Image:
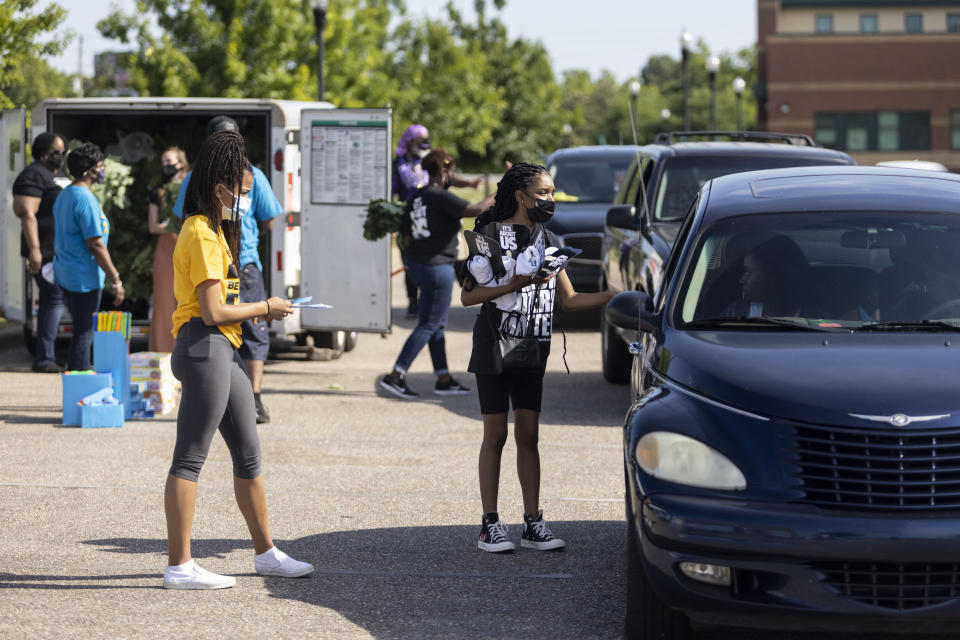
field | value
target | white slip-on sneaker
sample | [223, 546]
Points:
[274, 562]
[191, 576]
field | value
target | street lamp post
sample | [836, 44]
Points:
[713, 65]
[320, 20]
[634, 92]
[686, 39]
[739, 84]
[665, 117]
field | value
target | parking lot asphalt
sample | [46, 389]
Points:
[379, 494]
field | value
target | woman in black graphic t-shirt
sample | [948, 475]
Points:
[431, 223]
[523, 202]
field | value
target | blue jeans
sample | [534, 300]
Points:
[49, 312]
[82, 306]
[436, 285]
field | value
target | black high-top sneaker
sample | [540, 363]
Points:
[493, 535]
[537, 536]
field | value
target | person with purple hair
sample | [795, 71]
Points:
[408, 177]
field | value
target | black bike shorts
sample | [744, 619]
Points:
[497, 392]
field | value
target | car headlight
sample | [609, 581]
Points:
[681, 459]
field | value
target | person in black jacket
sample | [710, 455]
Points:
[34, 193]
[431, 223]
[523, 203]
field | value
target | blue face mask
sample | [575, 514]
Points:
[241, 205]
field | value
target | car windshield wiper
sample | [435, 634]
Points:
[910, 325]
[712, 323]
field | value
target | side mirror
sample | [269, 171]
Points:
[623, 216]
[633, 311]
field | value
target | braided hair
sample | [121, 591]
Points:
[517, 177]
[222, 160]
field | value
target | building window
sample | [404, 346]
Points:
[858, 134]
[888, 134]
[868, 23]
[879, 130]
[913, 23]
[825, 129]
[955, 129]
[914, 130]
[825, 23]
[953, 22]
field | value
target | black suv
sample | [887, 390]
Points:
[661, 184]
[587, 180]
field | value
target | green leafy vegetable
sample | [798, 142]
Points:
[383, 217]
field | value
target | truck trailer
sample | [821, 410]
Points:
[325, 164]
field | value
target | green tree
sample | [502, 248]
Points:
[665, 73]
[256, 48]
[22, 34]
[44, 82]
[530, 123]
[439, 82]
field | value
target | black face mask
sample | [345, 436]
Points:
[543, 210]
[55, 160]
[169, 171]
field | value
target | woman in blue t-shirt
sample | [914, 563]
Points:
[82, 260]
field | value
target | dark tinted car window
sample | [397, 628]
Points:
[826, 270]
[587, 179]
[683, 176]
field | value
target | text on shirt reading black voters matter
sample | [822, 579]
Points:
[514, 324]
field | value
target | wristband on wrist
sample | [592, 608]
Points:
[268, 306]
[115, 277]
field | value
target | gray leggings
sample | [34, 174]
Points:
[216, 394]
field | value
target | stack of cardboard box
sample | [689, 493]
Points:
[151, 372]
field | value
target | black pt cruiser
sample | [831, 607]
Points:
[792, 453]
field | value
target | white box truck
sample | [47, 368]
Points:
[325, 164]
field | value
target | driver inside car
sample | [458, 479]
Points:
[772, 275]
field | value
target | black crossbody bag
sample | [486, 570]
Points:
[516, 355]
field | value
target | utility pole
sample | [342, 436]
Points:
[78, 79]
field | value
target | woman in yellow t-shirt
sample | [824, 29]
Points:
[216, 391]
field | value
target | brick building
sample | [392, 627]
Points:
[879, 79]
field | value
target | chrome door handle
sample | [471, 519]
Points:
[634, 348]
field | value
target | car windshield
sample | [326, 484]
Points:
[825, 271]
[683, 176]
[588, 179]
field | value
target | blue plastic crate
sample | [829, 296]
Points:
[76, 387]
[98, 416]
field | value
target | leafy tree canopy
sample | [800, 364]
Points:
[485, 96]
[26, 35]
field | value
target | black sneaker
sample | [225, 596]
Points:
[537, 536]
[493, 535]
[47, 367]
[450, 388]
[262, 414]
[397, 385]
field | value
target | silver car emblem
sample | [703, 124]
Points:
[899, 419]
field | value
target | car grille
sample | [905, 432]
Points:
[877, 469]
[893, 586]
[589, 243]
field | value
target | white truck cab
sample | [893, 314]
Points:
[325, 165]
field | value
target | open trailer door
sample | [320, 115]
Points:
[13, 148]
[345, 162]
